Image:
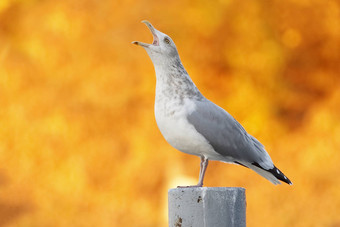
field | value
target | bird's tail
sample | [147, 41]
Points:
[273, 175]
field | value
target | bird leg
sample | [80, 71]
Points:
[204, 165]
[203, 168]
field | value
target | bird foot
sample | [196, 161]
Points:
[191, 186]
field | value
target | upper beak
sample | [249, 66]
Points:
[155, 37]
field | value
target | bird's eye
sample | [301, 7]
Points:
[166, 40]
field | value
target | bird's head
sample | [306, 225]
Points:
[162, 48]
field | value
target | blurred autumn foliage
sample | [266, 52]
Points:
[79, 145]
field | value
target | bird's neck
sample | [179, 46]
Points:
[173, 81]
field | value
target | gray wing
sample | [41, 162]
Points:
[226, 135]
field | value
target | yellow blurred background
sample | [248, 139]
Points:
[79, 145]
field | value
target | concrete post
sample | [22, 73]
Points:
[207, 207]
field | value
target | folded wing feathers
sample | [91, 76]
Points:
[228, 131]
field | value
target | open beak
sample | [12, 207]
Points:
[153, 31]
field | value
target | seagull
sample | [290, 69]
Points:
[194, 125]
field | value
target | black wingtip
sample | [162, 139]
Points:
[277, 173]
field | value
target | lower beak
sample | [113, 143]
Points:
[141, 44]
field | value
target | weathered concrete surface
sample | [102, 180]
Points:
[207, 207]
